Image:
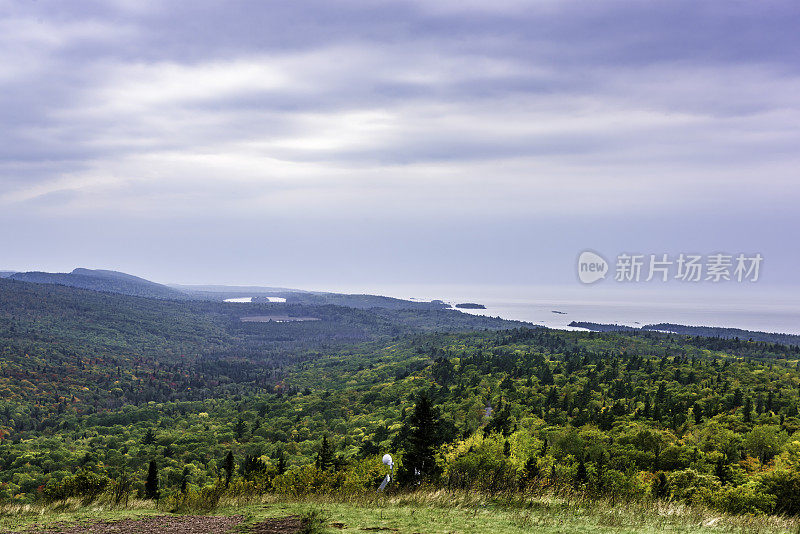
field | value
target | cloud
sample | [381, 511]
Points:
[334, 110]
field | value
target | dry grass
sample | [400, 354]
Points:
[439, 511]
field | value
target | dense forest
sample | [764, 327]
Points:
[178, 400]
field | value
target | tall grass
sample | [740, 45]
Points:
[549, 511]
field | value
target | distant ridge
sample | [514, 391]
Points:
[127, 284]
[103, 280]
[317, 298]
[704, 331]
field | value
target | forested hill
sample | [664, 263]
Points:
[619, 415]
[58, 343]
[103, 280]
[127, 284]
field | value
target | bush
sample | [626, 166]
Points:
[483, 466]
[745, 499]
[85, 484]
[305, 480]
[692, 487]
[784, 485]
[204, 500]
[313, 521]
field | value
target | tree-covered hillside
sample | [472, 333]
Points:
[103, 280]
[59, 344]
[99, 388]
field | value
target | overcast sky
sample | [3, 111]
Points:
[317, 144]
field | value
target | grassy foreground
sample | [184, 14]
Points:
[433, 513]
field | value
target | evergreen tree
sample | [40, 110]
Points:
[240, 428]
[530, 472]
[184, 480]
[747, 411]
[697, 410]
[281, 462]
[228, 465]
[418, 461]
[149, 437]
[721, 471]
[151, 490]
[600, 471]
[580, 474]
[325, 455]
[252, 467]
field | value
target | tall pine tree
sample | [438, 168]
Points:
[422, 431]
[151, 490]
[325, 455]
[228, 465]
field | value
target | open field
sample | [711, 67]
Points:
[430, 513]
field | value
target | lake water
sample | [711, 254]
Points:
[749, 308]
[250, 299]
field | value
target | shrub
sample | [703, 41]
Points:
[784, 485]
[483, 466]
[313, 521]
[692, 487]
[744, 499]
[204, 500]
[85, 484]
[305, 480]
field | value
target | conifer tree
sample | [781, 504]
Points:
[151, 490]
[281, 462]
[228, 465]
[184, 479]
[325, 455]
[419, 463]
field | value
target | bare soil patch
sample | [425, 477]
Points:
[188, 524]
[284, 525]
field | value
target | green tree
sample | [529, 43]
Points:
[325, 455]
[530, 472]
[697, 411]
[228, 465]
[580, 475]
[184, 480]
[281, 461]
[764, 441]
[419, 463]
[151, 490]
[747, 411]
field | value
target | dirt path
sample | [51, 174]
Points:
[187, 524]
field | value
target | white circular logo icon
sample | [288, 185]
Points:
[591, 267]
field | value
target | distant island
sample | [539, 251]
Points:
[470, 306]
[558, 312]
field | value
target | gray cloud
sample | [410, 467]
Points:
[267, 111]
